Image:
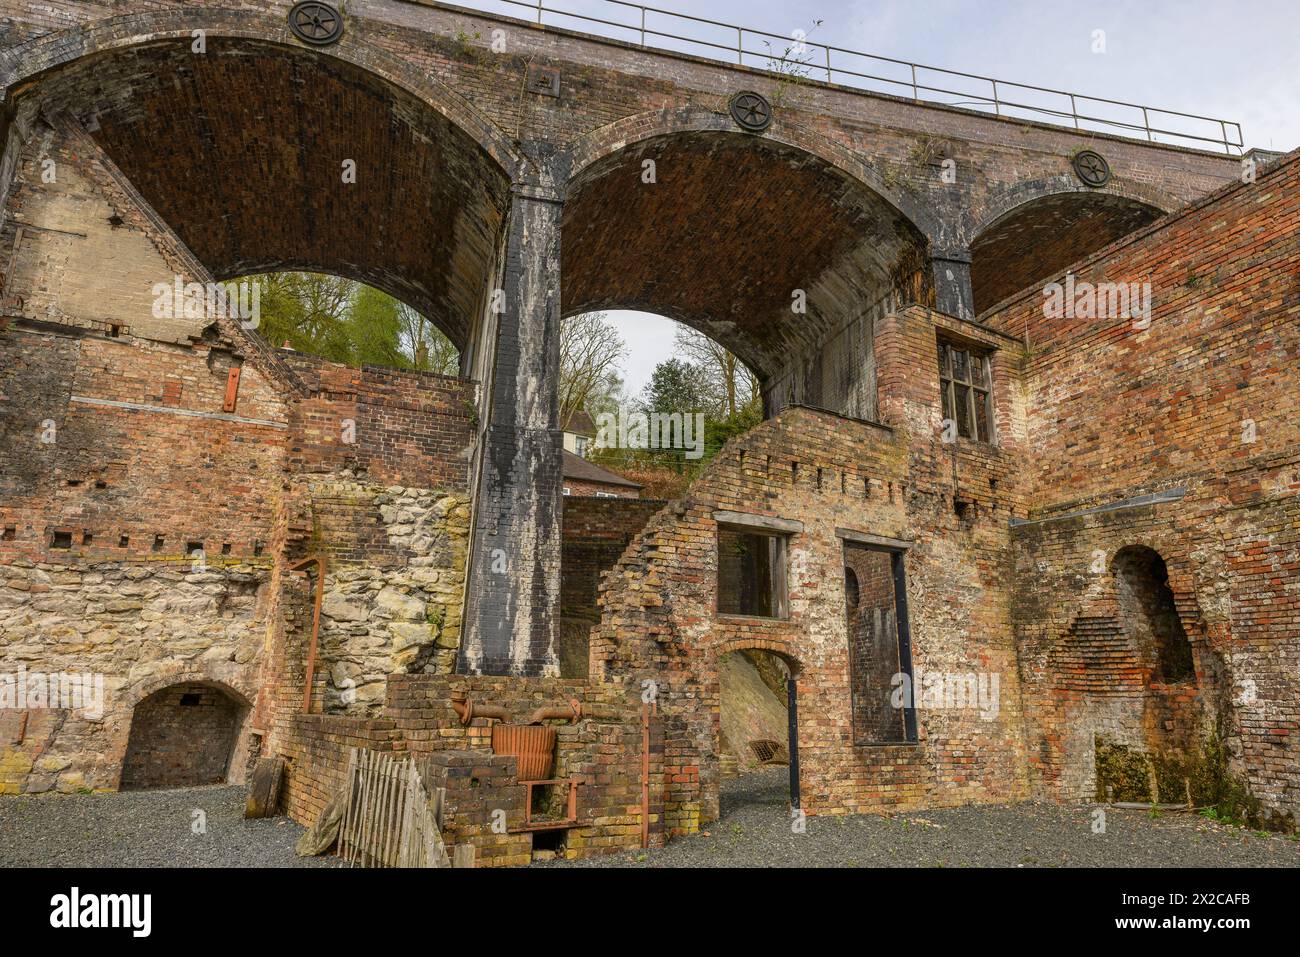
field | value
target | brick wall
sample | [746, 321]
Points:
[1198, 407]
[659, 618]
[183, 736]
[393, 426]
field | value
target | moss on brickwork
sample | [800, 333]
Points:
[1201, 776]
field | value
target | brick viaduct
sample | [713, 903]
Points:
[827, 251]
[468, 182]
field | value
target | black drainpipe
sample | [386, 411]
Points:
[792, 703]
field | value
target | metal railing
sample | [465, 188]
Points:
[800, 59]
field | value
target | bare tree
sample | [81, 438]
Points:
[590, 350]
[425, 345]
[730, 379]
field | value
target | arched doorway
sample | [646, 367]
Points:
[183, 735]
[1151, 615]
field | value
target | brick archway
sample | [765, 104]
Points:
[27, 62]
[614, 137]
[777, 246]
[781, 649]
[263, 155]
[222, 684]
[1033, 230]
[184, 735]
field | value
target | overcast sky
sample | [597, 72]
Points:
[1232, 59]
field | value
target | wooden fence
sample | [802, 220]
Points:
[390, 819]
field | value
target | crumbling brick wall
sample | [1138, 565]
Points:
[1196, 408]
[660, 622]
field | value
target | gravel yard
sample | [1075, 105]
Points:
[155, 828]
[755, 832]
[145, 829]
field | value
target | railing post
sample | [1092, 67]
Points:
[1223, 128]
[997, 107]
[1074, 111]
[539, 11]
[740, 46]
[1146, 124]
[829, 73]
[643, 26]
[915, 94]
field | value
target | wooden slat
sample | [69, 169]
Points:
[389, 818]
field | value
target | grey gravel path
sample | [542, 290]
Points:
[754, 831]
[145, 829]
[154, 828]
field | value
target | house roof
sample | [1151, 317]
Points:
[576, 467]
[581, 423]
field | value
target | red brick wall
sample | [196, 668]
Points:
[1115, 411]
[596, 530]
[395, 426]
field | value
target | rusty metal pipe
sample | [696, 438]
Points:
[467, 710]
[645, 771]
[571, 712]
[319, 561]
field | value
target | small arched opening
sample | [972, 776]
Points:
[1151, 615]
[183, 735]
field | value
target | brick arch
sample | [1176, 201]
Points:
[238, 688]
[27, 62]
[257, 118]
[700, 245]
[614, 137]
[1023, 234]
[781, 649]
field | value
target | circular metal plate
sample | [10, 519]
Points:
[1091, 167]
[751, 111]
[316, 23]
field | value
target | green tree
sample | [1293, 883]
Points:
[348, 322]
[677, 386]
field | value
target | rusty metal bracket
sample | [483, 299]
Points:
[571, 805]
[232, 389]
[319, 561]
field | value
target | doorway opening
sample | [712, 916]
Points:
[758, 740]
[880, 648]
[182, 736]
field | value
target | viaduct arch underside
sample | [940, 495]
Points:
[263, 157]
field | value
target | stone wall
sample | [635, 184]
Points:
[393, 603]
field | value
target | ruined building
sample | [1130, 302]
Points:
[1078, 529]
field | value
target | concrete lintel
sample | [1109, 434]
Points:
[761, 522]
[168, 410]
[874, 541]
[1138, 501]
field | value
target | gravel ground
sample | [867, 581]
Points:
[154, 828]
[754, 831]
[145, 829]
